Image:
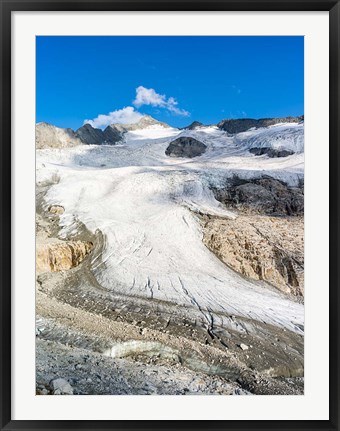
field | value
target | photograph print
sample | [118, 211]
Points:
[169, 215]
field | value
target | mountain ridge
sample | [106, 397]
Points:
[50, 136]
[234, 126]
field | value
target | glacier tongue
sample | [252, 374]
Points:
[143, 201]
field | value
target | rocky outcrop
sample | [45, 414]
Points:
[243, 124]
[49, 136]
[185, 147]
[145, 122]
[112, 135]
[56, 209]
[266, 241]
[52, 253]
[270, 152]
[91, 136]
[263, 195]
[261, 248]
[56, 255]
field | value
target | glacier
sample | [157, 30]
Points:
[144, 203]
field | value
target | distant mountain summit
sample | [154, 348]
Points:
[91, 136]
[243, 124]
[194, 125]
[145, 122]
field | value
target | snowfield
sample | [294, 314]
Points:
[143, 202]
[278, 137]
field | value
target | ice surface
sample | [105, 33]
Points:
[143, 200]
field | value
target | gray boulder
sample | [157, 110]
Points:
[185, 147]
[61, 386]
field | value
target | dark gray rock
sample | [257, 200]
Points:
[264, 195]
[91, 136]
[185, 147]
[112, 135]
[271, 152]
[244, 124]
[253, 195]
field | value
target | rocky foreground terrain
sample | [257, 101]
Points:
[164, 271]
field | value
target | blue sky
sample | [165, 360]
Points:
[175, 79]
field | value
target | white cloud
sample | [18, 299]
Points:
[144, 96]
[125, 116]
[148, 96]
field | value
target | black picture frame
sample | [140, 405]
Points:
[7, 7]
